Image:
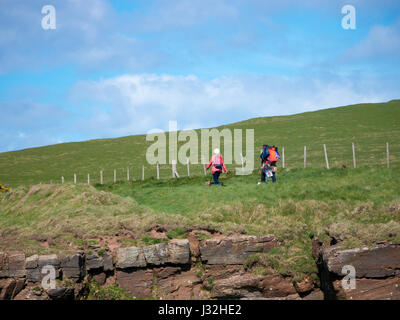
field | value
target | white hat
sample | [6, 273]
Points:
[216, 151]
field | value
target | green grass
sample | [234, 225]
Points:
[148, 241]
[177, 233]
[360, 206]
[369, 126]
[113, 292]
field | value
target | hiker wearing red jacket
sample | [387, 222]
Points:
[217, 164]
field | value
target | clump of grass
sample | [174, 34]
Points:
[257, 259]
[294, 259]
[147, 240]
[113, 292]
[36, 288]
[177, 233]
[199, 273]
[65, 282]
[127, 242]
[208, 284]
[201, 236]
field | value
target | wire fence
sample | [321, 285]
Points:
[309, 157]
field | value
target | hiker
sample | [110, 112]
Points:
[269, 156]
[217, 164]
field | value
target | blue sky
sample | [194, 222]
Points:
[116, 68]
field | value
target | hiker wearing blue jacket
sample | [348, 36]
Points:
[269, 156]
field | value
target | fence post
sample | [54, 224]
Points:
[142, 173]
[101, 176]
[354, 156]
[188, 167]
[88, 178]
[62, 179]
[305, 156]
[115, 176]
[283, 157]
[127, 174]
[241, 158]
[74, 178]
[387, 155]
[158, 171]
[326, 157]
[174, 172]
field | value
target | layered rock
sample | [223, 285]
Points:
[370, 289]
[12, 265]
[137, 270]
[10, 287]
[165, 271]
[235, 250]
[248, 285]
[72, 266]
[376, 262]
[175, 252]
[94, 262]
[130, 258]
[37, 267]
[376, 269]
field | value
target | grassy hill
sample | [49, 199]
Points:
[356, 206]
[369, 126]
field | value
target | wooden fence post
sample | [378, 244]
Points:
[88, 178]
[174, 172]
[326, 157]
[62, 179]
[115, 176]
[158, 171]
[354, 156]
[127, 174]
[283, 157]
[305, 156]
[387, 155]
[74, 178]
[188, 167]
[101, 176]
[142, 173]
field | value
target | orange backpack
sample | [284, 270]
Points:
[272, 155]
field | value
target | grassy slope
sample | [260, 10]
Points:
[370, 126]
[361, 206]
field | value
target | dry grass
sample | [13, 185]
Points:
[66, 216]
[356, 207]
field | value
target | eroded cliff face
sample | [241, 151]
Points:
[193, 269]
[376, 272]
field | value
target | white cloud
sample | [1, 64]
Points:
[381, 42]
[141, 102]
[136, 103]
